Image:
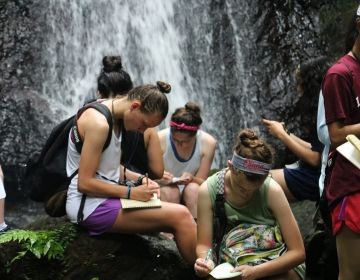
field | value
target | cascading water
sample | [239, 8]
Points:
[82, 32]
[153, 47]
[219, 54]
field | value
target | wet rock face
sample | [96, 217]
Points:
[251, 68]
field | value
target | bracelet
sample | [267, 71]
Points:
[128, 192]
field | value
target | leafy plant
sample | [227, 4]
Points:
[50, 244]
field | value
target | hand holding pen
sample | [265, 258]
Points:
[203, 266]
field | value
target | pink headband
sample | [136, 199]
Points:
[184, 126]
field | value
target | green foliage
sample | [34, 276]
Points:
[49, 244]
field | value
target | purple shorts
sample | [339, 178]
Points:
[103, 218]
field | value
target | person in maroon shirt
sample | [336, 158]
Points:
[341, 91]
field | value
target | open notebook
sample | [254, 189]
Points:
[154, 202]
[351, 150]
[223, 271]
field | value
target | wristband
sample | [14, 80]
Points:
[128, 192]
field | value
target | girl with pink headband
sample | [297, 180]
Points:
[188, 153]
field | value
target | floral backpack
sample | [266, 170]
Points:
[246, 243]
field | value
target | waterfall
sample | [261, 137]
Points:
[216, 53]
[80, 33]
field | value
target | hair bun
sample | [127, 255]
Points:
[112, 64]
[192, 107]
[163, 86]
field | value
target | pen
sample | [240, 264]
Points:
[208, 255]
[147, 179]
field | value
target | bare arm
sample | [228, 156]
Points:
[204, 231]
[208, 147]
[295, 254]
[338, 132]
[154, 153]
[299, 147]
[94, 130]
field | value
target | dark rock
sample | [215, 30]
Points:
[109, 256]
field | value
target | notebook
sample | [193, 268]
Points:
[154, 202]
[223, 271]
[351, 150]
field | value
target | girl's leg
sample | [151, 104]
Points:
[170, 194]
[189, 196]
[170, 217]
[278, 176]
[348, 250]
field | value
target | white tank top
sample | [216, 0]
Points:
[109, 168]
[177, 166]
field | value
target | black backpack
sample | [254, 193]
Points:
[219, 215]
[46, 175]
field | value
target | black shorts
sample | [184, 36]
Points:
[303, 183]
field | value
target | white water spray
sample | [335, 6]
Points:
[82, 32]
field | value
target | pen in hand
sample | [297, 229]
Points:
[208, 255]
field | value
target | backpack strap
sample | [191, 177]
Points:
[219, 216]
[75, 136]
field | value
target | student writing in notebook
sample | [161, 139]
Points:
[188, 152]
[141, 152]
[252, 197]
[98, 172]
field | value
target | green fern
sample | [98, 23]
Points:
[50, 244]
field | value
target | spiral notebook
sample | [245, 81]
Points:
[351, 150]
[154, 202]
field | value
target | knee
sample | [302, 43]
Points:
[183, 216]
[170, 194]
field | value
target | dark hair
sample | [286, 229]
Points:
[249, 145]
[113, 80]
[309, 76]
[311, 73]
[189, 115]
[152, 98]
[351, 33]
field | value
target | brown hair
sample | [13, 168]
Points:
[249, 145]
[189, 115]
[152, 97]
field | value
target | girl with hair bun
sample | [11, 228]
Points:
[254, 204]
[99, 175]
[145, 156]
[188, 153]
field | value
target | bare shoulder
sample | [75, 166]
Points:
[276, 196]
[150, 132]
[208, 139]
[91, 119]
